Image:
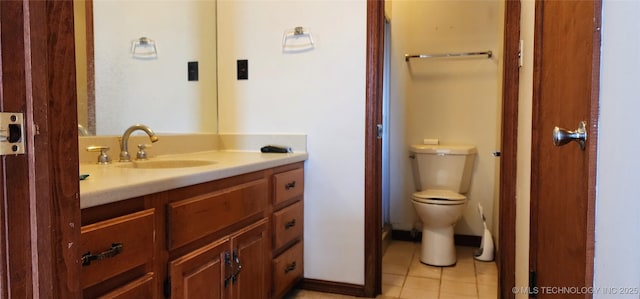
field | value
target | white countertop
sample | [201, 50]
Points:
[113, 182]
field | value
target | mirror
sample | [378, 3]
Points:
[117, 89]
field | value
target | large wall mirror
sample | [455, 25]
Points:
[118, 88]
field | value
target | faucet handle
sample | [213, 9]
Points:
[103, 157]
[142, 154]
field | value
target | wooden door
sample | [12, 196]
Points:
[39, 200]
[251, 251]
[566, 70]
[202, 273]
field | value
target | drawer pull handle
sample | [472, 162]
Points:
[290, 224]
[115, 249]
[290, 185]
[290, 267]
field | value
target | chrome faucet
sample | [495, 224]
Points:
[124, 143]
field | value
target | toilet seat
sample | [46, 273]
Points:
[439, 197]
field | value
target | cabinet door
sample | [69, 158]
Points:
[202, 273]
[251, 251]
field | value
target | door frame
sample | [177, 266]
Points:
[506, 251]
[373, 149]
[40, 219]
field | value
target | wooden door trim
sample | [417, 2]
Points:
[373, 150]
[508, 162]
[55, 135]
[535, 151]
[591, 149]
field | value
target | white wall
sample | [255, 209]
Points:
[155, 92]
[320, 93]
[455, 100]
[617, 257]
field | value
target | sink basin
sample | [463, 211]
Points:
[163, 164]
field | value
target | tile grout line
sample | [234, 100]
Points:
[475, 275]
[406, 276]
[440, 284]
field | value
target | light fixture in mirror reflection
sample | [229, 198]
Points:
[117, 89]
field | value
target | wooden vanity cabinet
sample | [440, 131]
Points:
[238, 237]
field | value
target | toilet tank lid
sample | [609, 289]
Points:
[443, 149]
[439, 194]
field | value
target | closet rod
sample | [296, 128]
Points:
[407, 56]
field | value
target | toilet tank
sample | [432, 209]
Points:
[446, 167]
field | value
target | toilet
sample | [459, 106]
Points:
[442, 175]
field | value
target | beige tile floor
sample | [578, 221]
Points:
[403, 276]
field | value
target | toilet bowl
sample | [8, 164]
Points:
[442, 175]
[439, 210]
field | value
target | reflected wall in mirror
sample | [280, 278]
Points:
[117, 90]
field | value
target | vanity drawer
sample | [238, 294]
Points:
[288, 185]
[116, 245]
[287, 269]
[142, 287]
[197, 217]
[287, 224]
